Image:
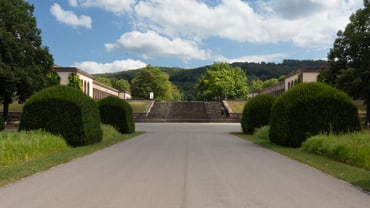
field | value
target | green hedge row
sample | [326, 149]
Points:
[65, 111]
[118, 113]
[257, 113]
[309, 109]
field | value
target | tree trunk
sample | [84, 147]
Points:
[367, 115]
[6, 109]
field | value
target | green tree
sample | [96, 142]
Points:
[256, 85]
[25, 65]
[222, 81]
[121, 84]
[105, 81]
[152, 79]
[350, 58]
[270, 82]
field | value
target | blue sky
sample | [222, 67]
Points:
[114, 35]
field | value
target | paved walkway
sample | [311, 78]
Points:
[182, 166]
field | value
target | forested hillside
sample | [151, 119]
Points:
[185, 79]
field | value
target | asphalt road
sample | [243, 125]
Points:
[182, 166]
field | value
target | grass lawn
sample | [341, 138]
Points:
[16, 171]
[237, 106]
[14, 107]
[356, 176]
[138, 106]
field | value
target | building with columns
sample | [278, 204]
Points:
[92, 88]
[290, 80]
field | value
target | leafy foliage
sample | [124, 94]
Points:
[152, 79]
[64, 111]
[74, 81]
[257, 113]
[118, 113]
[350, 58]
[222, 81]
[105, 81]
[25, 65]
[310, 109]
[121, 84]
[257, 84]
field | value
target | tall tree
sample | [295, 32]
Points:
[121, 84]
[222, 81]
[350, 58]
[152, 79]
[105, 81]
[25, 65]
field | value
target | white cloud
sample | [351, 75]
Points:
[69, 18]
[151, 45]
[255, 58]
[310, 23]
[116, 66]
[73, 3]
[118, 7]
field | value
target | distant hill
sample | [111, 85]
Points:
[185, 79]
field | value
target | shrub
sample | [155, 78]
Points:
[309, 109]
[257, 112]
[118, 113]
[2, 124]
[64, 111]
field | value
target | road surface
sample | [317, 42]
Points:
[182, 166]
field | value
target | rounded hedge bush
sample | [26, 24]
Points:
[309, 109]
[2, 124]
[118, 113]
[64, 111]
[257, 113]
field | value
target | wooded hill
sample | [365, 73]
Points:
[185, 79]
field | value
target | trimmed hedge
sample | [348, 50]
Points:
[309, 109]
[2, 124]
[64, 111]
[118, 113]
[257, 113]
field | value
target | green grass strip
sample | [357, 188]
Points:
[353, 175]
[21, 170]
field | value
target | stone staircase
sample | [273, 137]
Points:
[192, 111]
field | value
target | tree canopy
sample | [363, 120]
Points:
[222, 81]
[349, 58]
[152, 79]
[25, 65]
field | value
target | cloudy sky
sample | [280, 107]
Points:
[114, 35]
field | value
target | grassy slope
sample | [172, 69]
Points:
[237, 106]
[138, 106]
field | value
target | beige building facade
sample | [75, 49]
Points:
[296, 77]
[300, 76]
[90, 87]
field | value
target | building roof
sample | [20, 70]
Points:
[305, 70]
[72, 70]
